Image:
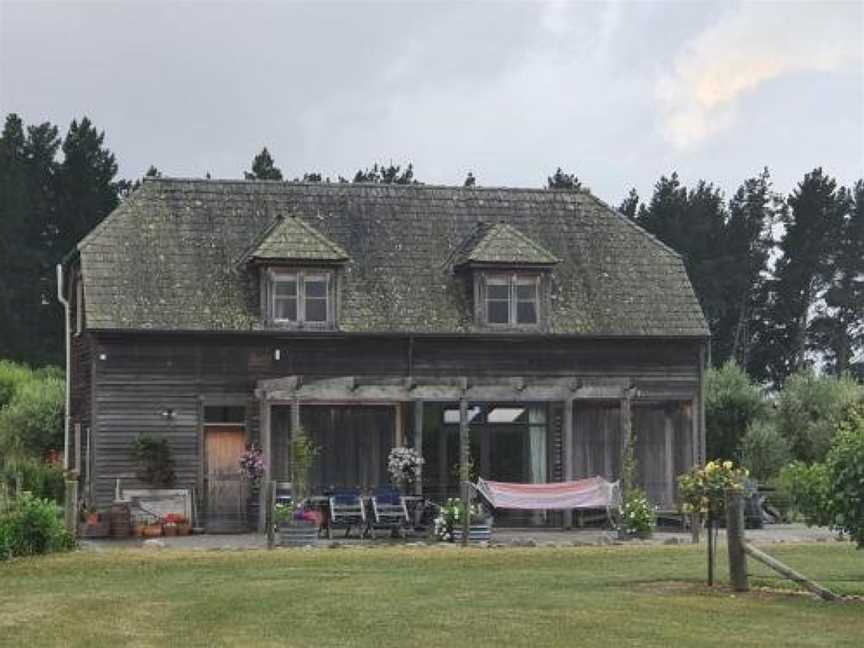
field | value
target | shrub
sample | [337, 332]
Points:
[845, 474]
[32, 526]
[155, 461]
[809, 411]
[732, 404]
[638, 517]
[764, 450]
[43, 480]
[31, 423]
[12, 376]
[809, 489]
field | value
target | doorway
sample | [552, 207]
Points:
[225, 487]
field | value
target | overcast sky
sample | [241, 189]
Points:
[618, 93]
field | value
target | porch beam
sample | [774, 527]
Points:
[567, 425]
[418, 444]
[464, 457]
[266, 449]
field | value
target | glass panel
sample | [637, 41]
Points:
[497, 291]
[498, 312]
[526, 291]
[285, 287]
[316, 310]
[452, 415]
[224, 414]
[316, 287]
[505, 414]
[285, 308]
[526, 312]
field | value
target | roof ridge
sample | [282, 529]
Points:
[364, 185]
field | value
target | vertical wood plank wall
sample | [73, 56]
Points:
[134, 377]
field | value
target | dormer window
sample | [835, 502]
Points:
[300, 297]
[512, 299]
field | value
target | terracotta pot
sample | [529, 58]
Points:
[184, 529]
[169, 530]
[151, 530]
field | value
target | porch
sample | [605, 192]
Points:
[531, 430]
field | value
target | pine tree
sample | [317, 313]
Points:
[748, 243]
[563, 181]
[390, 174]
[812, 226]
[263, 167]
[630, 205]
[837, 331]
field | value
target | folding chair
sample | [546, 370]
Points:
[346, 510]
[389, 511]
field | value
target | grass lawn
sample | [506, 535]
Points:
[610, 596]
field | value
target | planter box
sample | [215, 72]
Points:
[481, 532]
[298, 533]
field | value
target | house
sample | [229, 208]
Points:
[217, 313]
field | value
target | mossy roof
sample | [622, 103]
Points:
[291, 239]
[504, 244]
[167, 258]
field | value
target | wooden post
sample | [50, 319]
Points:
[789, 573]
[264, 435]
[71, 507]
[669, 458]
[398, 428]
[464, 457]
[268, 517]
[418, 444]
[567, 424]
[735, 541]
[77, 445]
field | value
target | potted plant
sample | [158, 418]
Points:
[403, 465]
[174, 524]
[448, 524]
[252, 469]
[296, 524]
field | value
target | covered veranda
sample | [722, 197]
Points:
[515, 428]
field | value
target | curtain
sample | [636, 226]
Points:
[537, 443]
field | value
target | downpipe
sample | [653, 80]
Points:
[68, 400]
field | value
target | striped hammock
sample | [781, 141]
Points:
[592, 493]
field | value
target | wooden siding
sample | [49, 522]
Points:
[138, 376]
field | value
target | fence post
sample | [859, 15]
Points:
[710, 533]
[735, 541]
[270, 502]
[71, 507]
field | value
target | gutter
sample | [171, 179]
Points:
[67, 405]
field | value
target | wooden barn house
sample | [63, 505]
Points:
[218, 313]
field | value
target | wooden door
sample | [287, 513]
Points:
[226, 496]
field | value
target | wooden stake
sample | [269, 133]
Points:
[270, 499]
[735, 541]
[464, 458]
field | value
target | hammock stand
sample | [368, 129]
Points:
[592, 493]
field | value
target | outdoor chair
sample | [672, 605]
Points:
[346, 511]
[388, 511]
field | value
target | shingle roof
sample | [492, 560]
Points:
[166, 259]
[290, 239]
[504, 244]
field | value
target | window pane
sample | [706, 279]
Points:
[527, 291]
[526, 312]
[494, 291]
[316, 310]
[316, 287]
[285, 287]
[285, 308]
[498, 312]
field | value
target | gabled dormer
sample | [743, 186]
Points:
[509, 273]
[298, 270]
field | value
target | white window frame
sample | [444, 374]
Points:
[301, 276]
[513, 280]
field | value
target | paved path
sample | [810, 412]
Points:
[777, 533]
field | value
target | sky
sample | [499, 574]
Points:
[617, 93]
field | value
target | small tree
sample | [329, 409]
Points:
[732, 404]
[845, 474]
[764, 450]
[303, 453]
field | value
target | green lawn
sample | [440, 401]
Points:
[610, 596]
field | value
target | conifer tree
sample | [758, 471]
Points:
[263, 167]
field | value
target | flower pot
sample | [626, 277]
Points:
[477, 532]
[170, 530]
[184, 529]
[298, 533]
[151, 530]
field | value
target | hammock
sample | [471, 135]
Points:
[592, 493]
